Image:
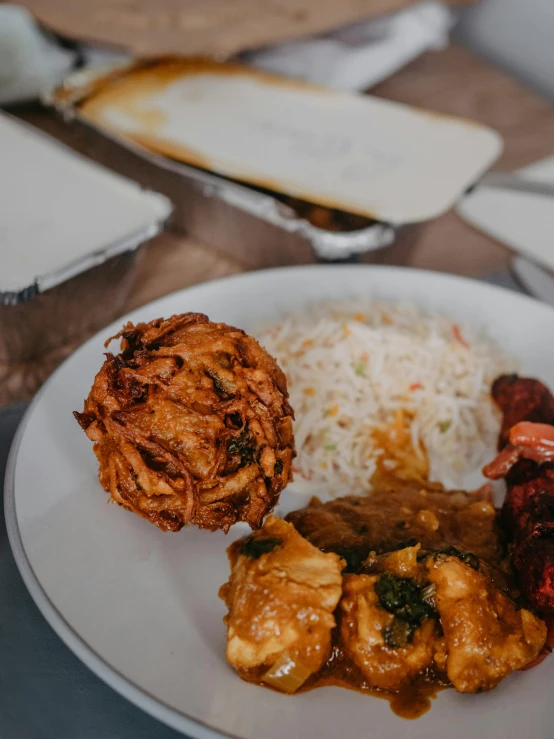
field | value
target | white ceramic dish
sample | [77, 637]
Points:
[140, 607]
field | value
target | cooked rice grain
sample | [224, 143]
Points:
[353, 365]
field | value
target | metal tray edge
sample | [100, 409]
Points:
[328, 245]
[129, 242]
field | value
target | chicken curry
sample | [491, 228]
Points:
[400, 593]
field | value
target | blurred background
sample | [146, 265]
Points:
[491, 62]
[515, 37]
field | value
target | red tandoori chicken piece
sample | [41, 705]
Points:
[526, 461]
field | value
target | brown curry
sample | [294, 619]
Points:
[398, 594]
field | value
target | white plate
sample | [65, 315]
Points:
[140, 607]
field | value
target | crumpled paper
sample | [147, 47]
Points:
[352, 58]
[30, 61]
[357, 57]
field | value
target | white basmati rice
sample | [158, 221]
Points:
[352, 365]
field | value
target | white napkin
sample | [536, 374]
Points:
[352, 58]
[359, 56]
[30, 61]
[522, 221]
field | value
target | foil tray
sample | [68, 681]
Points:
[65, 302]
[246, 223]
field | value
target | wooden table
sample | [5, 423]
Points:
[450, 81]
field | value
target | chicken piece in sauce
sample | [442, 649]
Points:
[439, 609]
[486, 637]
[281, 597]
[389, 650]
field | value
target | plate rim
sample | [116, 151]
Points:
[123, 685]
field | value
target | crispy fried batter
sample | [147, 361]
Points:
[191, 424]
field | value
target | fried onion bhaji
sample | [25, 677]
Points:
[191, 424]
